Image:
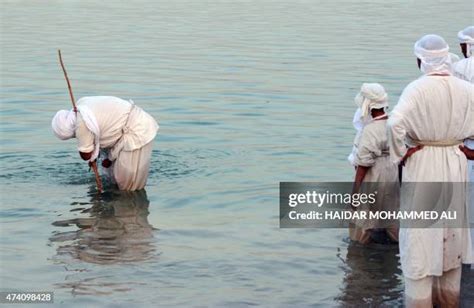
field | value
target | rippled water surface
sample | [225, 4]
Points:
[248, 94]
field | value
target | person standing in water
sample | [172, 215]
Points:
[373, 165]
[436, 111]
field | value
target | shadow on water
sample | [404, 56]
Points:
[116, 231]
[372, 277]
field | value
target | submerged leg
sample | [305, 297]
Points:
[359, 235]
[418, 293]
[446, 289]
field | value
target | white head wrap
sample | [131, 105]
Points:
[466, 36]
[65, 121]
[433, 51]
[64, 124]
[371, 96]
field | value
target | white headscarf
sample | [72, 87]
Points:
[64, 126]
[466, 36]
[433, 51]
[371, 96]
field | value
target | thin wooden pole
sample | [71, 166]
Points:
[73, 101]
[93, 164]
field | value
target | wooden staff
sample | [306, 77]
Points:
[93, 164]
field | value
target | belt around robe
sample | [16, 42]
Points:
[438, 143]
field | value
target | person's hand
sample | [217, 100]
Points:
[413, 150]
[467, 151]
[410, 152]
[85, 156]
[106, 163]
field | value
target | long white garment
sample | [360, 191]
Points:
[126, 133]
[464, 69]
[130, 169]
[117, 119]
[373, 152]
[433, 108]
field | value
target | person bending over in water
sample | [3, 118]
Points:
[119, 127]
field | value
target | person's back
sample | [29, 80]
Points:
[436, 113]
[441, 111]
[465, 70]
[122, 124]
[111, 114]
[373, 151]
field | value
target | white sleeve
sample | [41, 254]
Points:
[396, 137]
[85, 138]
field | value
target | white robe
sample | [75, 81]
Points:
[373, 152]
[433, 108]
[126, 133]
[464, 69]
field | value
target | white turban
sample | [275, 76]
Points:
[371, 96]
[433, 51]
[466, 36]
[64, 124]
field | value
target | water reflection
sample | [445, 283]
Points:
[372, 276]
[117, 230]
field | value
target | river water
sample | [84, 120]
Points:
[247, 94]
